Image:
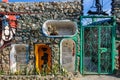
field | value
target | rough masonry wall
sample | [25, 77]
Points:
[116, 12]
[29, 28]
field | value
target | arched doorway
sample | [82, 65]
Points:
[43, 57]
[67, 54]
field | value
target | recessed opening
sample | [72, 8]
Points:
[43, 57]
[67, 54]
[19, 57]
[59, 28]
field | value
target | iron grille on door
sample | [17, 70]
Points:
[98, 44]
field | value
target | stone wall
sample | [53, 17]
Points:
[29, 28]
[29, 32]
[116, 12]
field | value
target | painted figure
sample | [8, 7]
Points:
[9, 25]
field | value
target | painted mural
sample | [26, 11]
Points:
[8, 29]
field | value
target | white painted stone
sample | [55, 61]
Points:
[67, 55]
[18, 56]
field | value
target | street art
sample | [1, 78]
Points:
[8, 29]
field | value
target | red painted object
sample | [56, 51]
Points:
[12, 21]
[5, 1]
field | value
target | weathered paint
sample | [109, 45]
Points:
[19, 57]
[43, 57]
[67, 54]
[59, 28]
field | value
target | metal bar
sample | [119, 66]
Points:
[99, 51]
[106, 42]
[76, 60]
[91, 53]
[97, 25]
[76, 42]
[81, 48]
[83, 52]
[113, 44]
[90, 49]
[97, 16]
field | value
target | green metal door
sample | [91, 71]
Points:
[98, 45]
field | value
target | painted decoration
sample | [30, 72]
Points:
[59, 28]
[67, 55]
[43, 57]
[9, 25]
[19, 57]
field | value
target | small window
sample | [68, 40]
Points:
[59, 28]
[19, 57]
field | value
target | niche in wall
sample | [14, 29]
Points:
[43, 57]
[59, 28]
[67, 54]
[19, 57]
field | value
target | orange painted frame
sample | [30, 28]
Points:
[38, 56]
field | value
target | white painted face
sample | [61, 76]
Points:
[7, 30]
[8, 33]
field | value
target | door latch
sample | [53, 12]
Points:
[102, 50]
